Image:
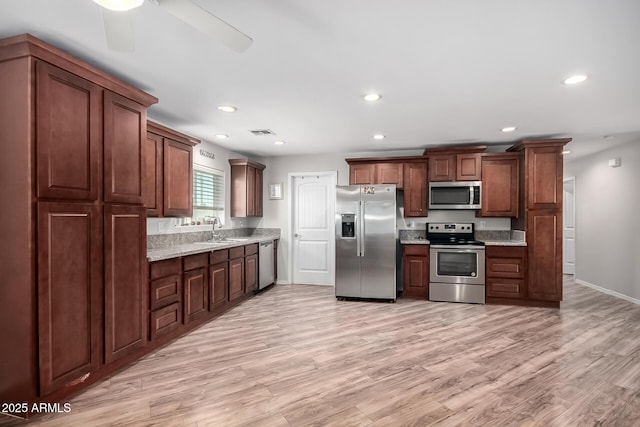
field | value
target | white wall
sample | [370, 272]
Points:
[607, 231]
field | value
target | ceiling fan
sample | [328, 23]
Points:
[118, 26]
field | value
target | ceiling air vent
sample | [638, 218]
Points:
[262, 132]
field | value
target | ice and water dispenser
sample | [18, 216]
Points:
[348, 226]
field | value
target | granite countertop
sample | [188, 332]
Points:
[414, 241]
[200, 247]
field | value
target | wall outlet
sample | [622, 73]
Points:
[483, 225]
[161, 227]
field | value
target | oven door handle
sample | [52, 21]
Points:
[468, 248]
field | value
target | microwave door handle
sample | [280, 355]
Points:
[472, 190]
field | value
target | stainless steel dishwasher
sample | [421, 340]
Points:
[265, 261]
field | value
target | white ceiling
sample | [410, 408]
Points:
[450, 71]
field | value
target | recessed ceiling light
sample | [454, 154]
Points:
[227, 108]
[222, 136]
[378, 136]
[119, 5]
[372, 97]
[566, 152]
[609, 137]
[279, 142]
[509, 129]
[578, 78]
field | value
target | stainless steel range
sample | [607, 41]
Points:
[457, 272]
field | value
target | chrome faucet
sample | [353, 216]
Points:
[216, 236]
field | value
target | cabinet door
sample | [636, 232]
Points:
[236, 278]
[500, 188]
[415, 190]
[69, 135]
[442, 167]
[251, 274]
[125, 303]
[544, 175]
[178, 179]
[153, 185]
[468, 167]
[69, 293]
[258, 193]
[125, 124]
[415, 270]
[251, 191]
[361, 174]
[196, 294]
[218, 286]
[544, 239]
[390, 173]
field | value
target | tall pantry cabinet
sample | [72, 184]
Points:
[74, 226]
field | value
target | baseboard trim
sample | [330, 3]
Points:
[608, 291]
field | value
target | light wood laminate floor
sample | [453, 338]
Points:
[294, 356]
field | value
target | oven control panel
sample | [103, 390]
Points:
[450, 227]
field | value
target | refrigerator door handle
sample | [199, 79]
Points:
[362, 230]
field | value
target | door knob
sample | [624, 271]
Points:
[297, 235]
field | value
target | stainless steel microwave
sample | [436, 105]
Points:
[455, 195]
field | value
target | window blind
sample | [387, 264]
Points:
[208, 191]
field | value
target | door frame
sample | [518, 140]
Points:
[564, 210]
[334, 182]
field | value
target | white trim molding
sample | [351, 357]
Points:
[608, 291]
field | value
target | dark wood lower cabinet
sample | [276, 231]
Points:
[251, 273]
[506, 272]
[196, 294]
[544, 236]
[165, 320]
[415, 268]
[125, 324]
[69, 292]
[218, 286]
[236, 278]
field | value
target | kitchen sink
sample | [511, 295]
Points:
[210, 243]
[237, 239]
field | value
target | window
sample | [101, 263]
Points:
[208, 193]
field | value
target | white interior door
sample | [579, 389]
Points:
[312, 228]
[569, 227]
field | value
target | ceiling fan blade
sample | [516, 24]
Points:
[118, 29]
[209, 24]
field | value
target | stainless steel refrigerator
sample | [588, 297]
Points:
[366, 241]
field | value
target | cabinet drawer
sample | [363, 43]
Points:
[164, 320]
[219, 256]
[236, 252]
[165, 268]
[251, 249]
[164, 291]
[416, 250]
[506, 262]
[192, 262]
[506, 288]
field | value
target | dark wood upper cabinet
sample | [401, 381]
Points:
[455, 163]
[69, 293]
[544, 169]
[468, 167]
[246, 188]
[69, 132]
[125, 124]
[168, 184]
[153, 185]
[500, 174]
[362, 174]
[416, 199]
[442, 167]
[376, 172]
[125, 324]
[178, 179]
